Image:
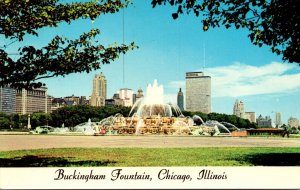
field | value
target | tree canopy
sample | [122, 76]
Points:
[275, 23]
[61, 56]
[71, 116]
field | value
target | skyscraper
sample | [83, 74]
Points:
[180, 99]
[35, 100]
[198, 92]
[239, 109]
[99, 90]
[7, 100]
[278, 121]
[126, 95]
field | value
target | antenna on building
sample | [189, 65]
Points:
[204, 56]
[123, 28]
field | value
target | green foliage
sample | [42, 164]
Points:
[71, 116]
[40, 119]
[74, 115]
[15, 119]
[294, 130]
[237, 121]
[274, 23]
[5, 122]
[61, 56]
[23, 121]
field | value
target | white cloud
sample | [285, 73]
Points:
[241, 80]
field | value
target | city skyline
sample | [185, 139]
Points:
[169, 48]
[125, 97]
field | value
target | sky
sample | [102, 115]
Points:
[169, 48]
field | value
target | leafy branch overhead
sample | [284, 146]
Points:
[61, 56]
[275, 23]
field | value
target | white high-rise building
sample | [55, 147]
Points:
[198, 92]
[126, 95]
[99, 90]
[278, 121]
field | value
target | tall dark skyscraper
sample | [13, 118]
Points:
[180, 99]
[7, 100]
[99, 90]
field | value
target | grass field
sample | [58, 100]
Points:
[131, 157]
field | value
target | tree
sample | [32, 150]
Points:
[61, 56]
[220, 117]
[40, 119]
[5, 122]
[74, 115]
[275, 23]
[15, 118]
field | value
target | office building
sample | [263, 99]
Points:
[239, 109]
[293, 122]
[35, 100]
[180, 100]
[139, 95]
[110, 102]
[99, 90]
[251, 116]
[198, 92]
[74, 99]
[278, 121]
[57, 103]
[126, 95]
[116, 100]
[83, 100]
[7, 100]
[133, 98]
[264, 121]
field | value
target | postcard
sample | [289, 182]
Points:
[160, 94]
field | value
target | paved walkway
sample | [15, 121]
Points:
[21, 142]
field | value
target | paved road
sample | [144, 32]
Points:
[21, 142]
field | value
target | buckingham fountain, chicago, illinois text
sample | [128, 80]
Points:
[123, 175]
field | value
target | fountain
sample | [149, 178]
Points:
[86, 128]
[153, 103]
[149, 116]
[152, 116]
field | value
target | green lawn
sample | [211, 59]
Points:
[66, 157]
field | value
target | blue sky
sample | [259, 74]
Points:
[168, 48]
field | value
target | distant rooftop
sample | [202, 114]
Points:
[195, 75]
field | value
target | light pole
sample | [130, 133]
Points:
[28, 124]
